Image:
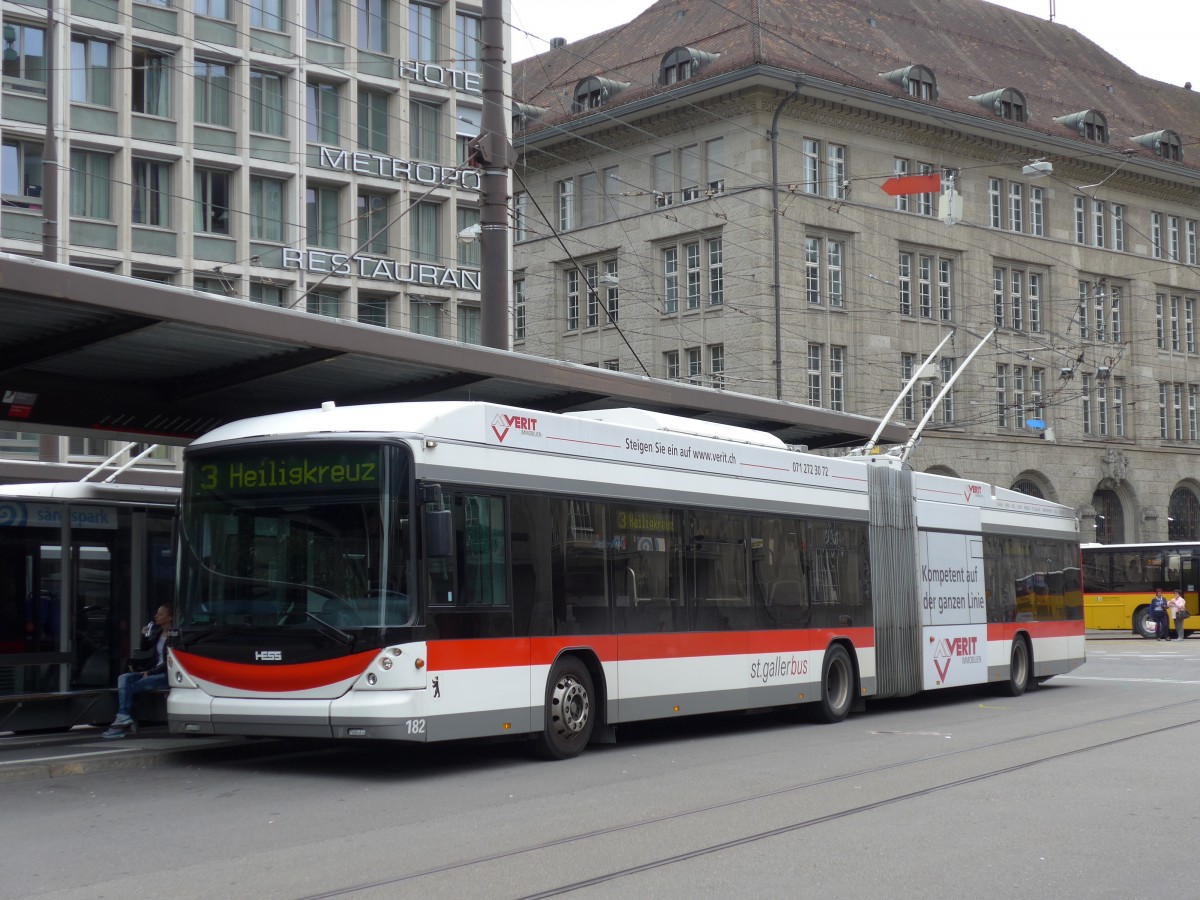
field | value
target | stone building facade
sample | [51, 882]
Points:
[700, 195]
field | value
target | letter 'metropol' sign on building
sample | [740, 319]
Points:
[361, 162]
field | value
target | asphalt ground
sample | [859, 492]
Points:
[83, 751]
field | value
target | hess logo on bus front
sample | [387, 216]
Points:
[502, 424]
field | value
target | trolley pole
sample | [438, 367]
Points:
[492, 153]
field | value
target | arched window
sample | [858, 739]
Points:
[1165, 143]
[1090, 123]
[594, 91]
[1007, 103]
[681, 64]
[1030, 487]
[1110, 518]
[917, 81]
[1183, 515]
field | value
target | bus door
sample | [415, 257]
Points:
[1190, 583]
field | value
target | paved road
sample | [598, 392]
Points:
[961, 793]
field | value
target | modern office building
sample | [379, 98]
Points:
[296, 154]
[700, 194]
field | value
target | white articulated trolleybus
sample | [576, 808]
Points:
[435, 571]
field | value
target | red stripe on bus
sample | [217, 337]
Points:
[1004, 631]
[487, 653]
[274, 678]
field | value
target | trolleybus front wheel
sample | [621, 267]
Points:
[1018, 669]
[570, 714]
[837, 686]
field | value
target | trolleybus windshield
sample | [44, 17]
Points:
[295, 537]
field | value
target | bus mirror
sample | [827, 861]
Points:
[439, 533]
[432, 494]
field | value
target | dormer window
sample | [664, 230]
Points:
[1165, 143]
[1090, 123]
[681, 64]
[523, 114]
[917, 81]
[594, 92]
[1007, 103]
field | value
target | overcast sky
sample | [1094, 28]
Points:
[1155, 37]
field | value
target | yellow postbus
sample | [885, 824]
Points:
[1120, 579]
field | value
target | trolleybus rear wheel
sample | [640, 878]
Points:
[1018, 669]
[570, 715]
[837, 686]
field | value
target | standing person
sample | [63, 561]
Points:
[130, 684]
[1179, 612]
[1158, 615]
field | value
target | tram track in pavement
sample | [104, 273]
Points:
[790, 827]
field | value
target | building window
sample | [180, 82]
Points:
[1017, 298]
[670, 263]
[322, 19]
[467, 124]
[373, 309]
[373, 121]
[1183, 515]
[571, 283]
[266, 209]
[520, 216]
[1160, 301]
[671, 364]
[268, 294]
[900, 170]
[469, 325]
[21, 172]
[322, 217]
[425, 317]
[91, 71]
[1037, 211]
[372, 25]
[681, 64]
[1173, 238]
[823, 266]
[372, 214]
[211, 201]
[324, 302]
[424, 136]
[1118, 225]
[322, 113]
[716, 272]
[211, 86]
[468, 251]
[519, 309]
[947, 374]
[716, 365]
[25, 58]
[905, 284]
[150, 193]
[424, 22]
[612, 291]
[593, 92]
[151, 82]
[266, 103]
[1090, 124]
[837, 379]
[1156, 244]
[91, 185]
[815, 367]
[1191, 242]
[1080, 220]
[468, 46]
[1002, 395]
[835, 169]
[691, 256]
[908, 362]
[1098, 219]
[695, 365]
[267, 14]
[425, 236]
[214, 9]
[565, 191]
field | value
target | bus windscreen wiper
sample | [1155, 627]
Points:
[330, 631]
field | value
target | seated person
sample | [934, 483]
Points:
[130, 684]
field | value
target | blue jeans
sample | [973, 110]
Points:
[130, 684]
